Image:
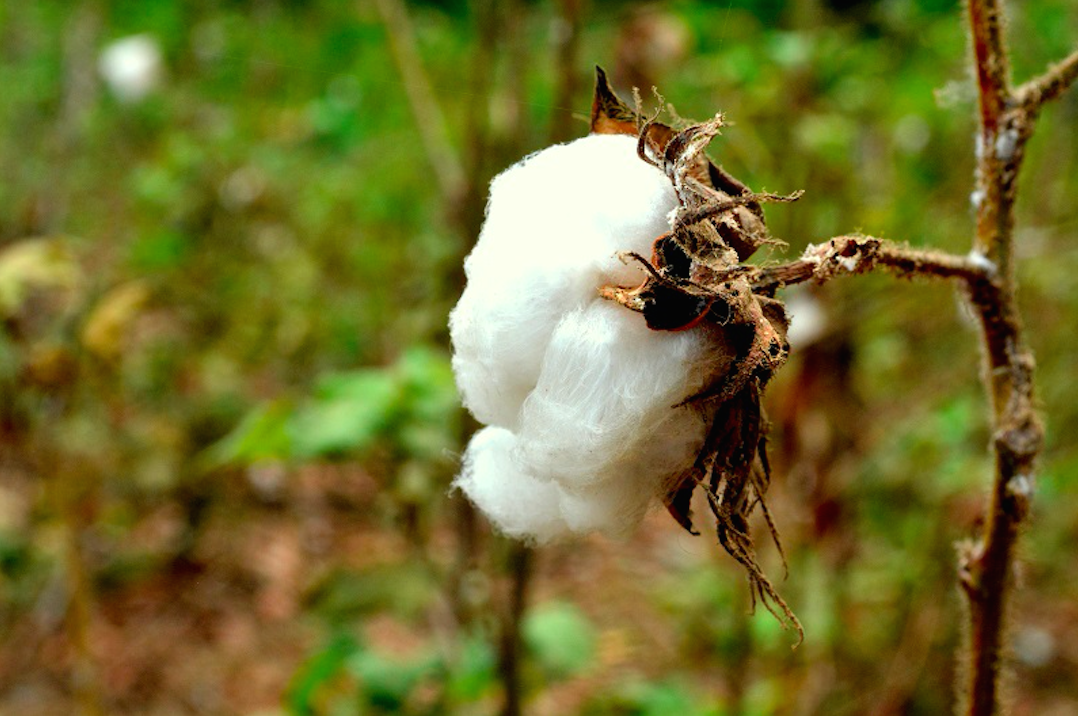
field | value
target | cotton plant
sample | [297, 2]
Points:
[610, 341]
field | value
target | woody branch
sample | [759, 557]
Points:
[1006, 120]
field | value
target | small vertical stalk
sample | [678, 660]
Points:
[429, 118]
[520, 569]
[986, 566]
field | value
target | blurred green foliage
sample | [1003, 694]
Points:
[411, 406]
[223, 307]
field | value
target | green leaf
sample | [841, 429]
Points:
[405, 588]
[561, 638]
[350, 412]
[387, 681]
[261, 436]
[431, 403]
[474, 673]
[318, 670]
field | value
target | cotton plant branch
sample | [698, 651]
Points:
[856, 254]
[986, 565]
[1050, 85]
[459, 177]
[1006, 120]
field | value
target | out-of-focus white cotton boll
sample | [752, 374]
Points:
[131, 67]
[808, 318]
[519, 504]
[554, 224]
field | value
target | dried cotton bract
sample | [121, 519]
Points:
[577, 391]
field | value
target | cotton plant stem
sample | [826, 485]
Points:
[429, 118]
[521, 558]
[1006, 119]
[857, 254]
[986, 565]
[85, 679]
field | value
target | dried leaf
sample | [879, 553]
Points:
[105, 329]
[743, 229]
[39, 263]
[695, 281]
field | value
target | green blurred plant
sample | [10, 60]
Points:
[411, 405]
[347, 676]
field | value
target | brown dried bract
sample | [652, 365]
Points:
[695, 280]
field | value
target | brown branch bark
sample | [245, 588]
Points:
[990, 56]
[855, 254]
[986, 565]
[1006, 120]
[520, 557]
[1053, 83]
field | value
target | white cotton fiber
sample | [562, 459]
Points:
[554, 225]
[607, 381]
[581, 392]
[522, 505]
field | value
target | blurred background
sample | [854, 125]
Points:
[230, 235]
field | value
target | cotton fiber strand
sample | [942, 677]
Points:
[578, 392]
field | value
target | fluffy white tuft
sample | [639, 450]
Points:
[522, 505]
[132, 67]
[608, 382]
[579, 391]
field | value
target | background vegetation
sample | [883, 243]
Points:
[228, 425]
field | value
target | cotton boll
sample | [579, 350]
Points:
[581, 390]
[554, 224]
[132, 67]
[518, 504]
[499, 341]
[607, 384]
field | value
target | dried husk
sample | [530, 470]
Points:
[695, 281]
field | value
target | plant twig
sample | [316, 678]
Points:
[990, 57]
[985, 566]
[429, 119]
[1053, 83]
[520, 570]
[1006, 120]
[855, 254]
